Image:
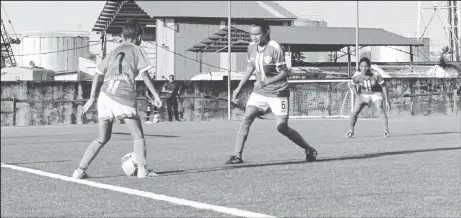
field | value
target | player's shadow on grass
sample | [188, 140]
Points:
[164, 136]
[355, 157]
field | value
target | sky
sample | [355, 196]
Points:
[400, 17]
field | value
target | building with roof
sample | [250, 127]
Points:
[191, 39]
[171, 30]
[27, 74]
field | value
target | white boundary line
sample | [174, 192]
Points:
[173, 200]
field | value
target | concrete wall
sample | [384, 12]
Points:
[55, 112]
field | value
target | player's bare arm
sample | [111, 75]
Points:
[94, 87]
[150, 86]
[248, 72]
[354, 91]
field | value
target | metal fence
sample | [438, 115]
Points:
[20, 112]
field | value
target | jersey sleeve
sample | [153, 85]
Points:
[142, 63]
[102, 66]
[379, 79]
[279, 59]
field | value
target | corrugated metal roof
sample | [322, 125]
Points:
[216, 9]
[339, 36]
[115, 13]
[312, 39]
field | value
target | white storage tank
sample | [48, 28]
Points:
[52, 50]
[316, 57]
[423, 53]
[309, 23]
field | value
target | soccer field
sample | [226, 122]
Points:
[415, 172]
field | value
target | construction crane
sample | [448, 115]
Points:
[8, 59]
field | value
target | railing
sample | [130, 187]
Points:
[67, 111]
[199, 107]
[426, 104]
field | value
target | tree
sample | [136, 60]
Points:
[443, 61]
[297, 57]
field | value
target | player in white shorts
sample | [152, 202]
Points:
[117, 98]
[369, 87]
[267, 59]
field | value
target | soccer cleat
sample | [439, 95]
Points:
[80, 174]
[234, 160]
[311, 155]
[386, 134]
[145, 173]
[349, 134]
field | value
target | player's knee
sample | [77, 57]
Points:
[380, 111]
[137, 136]
[248, 120]
[282, 128]
[104, 139]
[354, 115]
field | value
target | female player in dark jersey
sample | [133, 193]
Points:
[369, 87]
[117, 99]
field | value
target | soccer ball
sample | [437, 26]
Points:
[129, 165]
[156, 120]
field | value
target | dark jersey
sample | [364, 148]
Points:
[170, 86]
[268, 63]
[120, 68]
[368, 84]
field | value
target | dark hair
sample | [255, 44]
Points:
[171, 76]
[132, 29]
[261, 23]
[366, 60]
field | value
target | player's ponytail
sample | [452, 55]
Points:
[132, 29]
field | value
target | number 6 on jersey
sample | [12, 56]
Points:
[283, 105]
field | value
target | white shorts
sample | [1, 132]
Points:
[372, 97]
[278, 105]
[108, 109]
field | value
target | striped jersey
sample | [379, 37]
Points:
[120, 68]
[368, 83]
[268, 62]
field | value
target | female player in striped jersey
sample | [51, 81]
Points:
[266, 59]
[369, 87]
[117, 98]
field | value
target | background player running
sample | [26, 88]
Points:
[369, 86]
[266, 57]
[117, 99]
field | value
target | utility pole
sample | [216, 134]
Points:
[357, 52]
[419, 20]
[456, 39]
[229, 76]
[450, 33]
